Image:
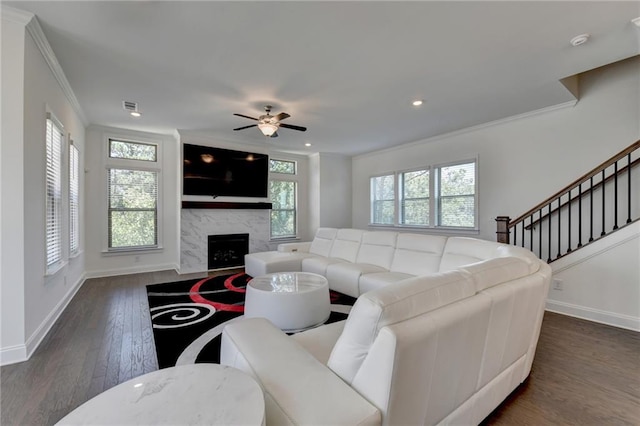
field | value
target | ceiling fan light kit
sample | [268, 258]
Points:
[269, 124]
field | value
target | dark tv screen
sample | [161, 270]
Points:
[224, 172]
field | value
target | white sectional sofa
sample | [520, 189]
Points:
[443, 330]
[355, 261]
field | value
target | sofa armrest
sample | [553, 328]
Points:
[298, 389]
[295, 247]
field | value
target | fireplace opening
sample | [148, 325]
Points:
[227, 251]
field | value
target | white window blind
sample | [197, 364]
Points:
[53, 138]
[74, 200]
[414, 202]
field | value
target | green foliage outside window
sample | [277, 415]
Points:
[283, 212]
[457, 195]
[132, 150]
[280, 166]
[383, 199]
[132, 208]
[415, 198]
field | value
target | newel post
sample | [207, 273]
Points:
[502, 232]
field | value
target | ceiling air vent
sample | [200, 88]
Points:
[130, 106]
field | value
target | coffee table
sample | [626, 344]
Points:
[293, 301]
[196, 394]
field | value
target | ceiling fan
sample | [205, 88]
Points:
[269, 124]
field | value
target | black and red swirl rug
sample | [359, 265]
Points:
[188, 316]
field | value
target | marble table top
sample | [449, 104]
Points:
[197, 394]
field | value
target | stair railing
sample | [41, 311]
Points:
[604, 199]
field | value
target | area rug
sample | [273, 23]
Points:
[188, 316]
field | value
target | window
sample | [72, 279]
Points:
[440, 196]
[53, 140]
[457, 195]
[74, 199]
[283, 193]
[383, 200]
[414, 201]
[132, 195]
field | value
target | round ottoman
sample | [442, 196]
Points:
[293, 301]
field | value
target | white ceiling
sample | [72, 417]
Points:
[346, 70]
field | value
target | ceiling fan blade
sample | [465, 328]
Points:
[274, 135]
[291, 126]
[246, 127]
[282, 116]
[246, 116]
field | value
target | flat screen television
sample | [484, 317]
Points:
[224, 172]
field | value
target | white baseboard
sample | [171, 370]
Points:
[603, 317]
[13, 354]
[22, 353]
[132, 270]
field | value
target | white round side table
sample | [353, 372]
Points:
[293, 301]
[196, 394]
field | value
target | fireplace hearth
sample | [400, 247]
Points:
[227, 251]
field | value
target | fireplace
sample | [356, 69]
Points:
[227, 251]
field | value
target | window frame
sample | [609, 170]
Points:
[58, 200]
[74, 213]
[135, 165]
[285, 177]
[435, 217]
[372, 201]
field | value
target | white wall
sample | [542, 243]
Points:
[597, 282]
[31, 87]
[98, 261]
[330, 191]
[12, 244]
[523, 161]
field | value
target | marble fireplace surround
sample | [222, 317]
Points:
[197, 224]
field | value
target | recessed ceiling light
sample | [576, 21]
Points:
[636, 21]
[417, 102]
[307, 144]
[579, 39]
[135, 113]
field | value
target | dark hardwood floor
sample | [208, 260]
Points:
[583, 374]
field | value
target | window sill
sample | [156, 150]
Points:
[75, 255]
[51, 272]
[130, 251]
[284, 239]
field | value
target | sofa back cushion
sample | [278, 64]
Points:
[491, 272]
[389, 305]
[346, 244]
[418, 254]
[321, 244]
[462, 251]
[377, 248]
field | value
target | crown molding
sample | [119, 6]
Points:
[35, 30]
[15, 15]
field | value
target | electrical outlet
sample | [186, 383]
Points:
[557, 284]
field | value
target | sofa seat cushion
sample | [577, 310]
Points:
[268, 262]
[298, 389]
[389, 305]
[376, 280]
[344, 277]
[318, 264]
